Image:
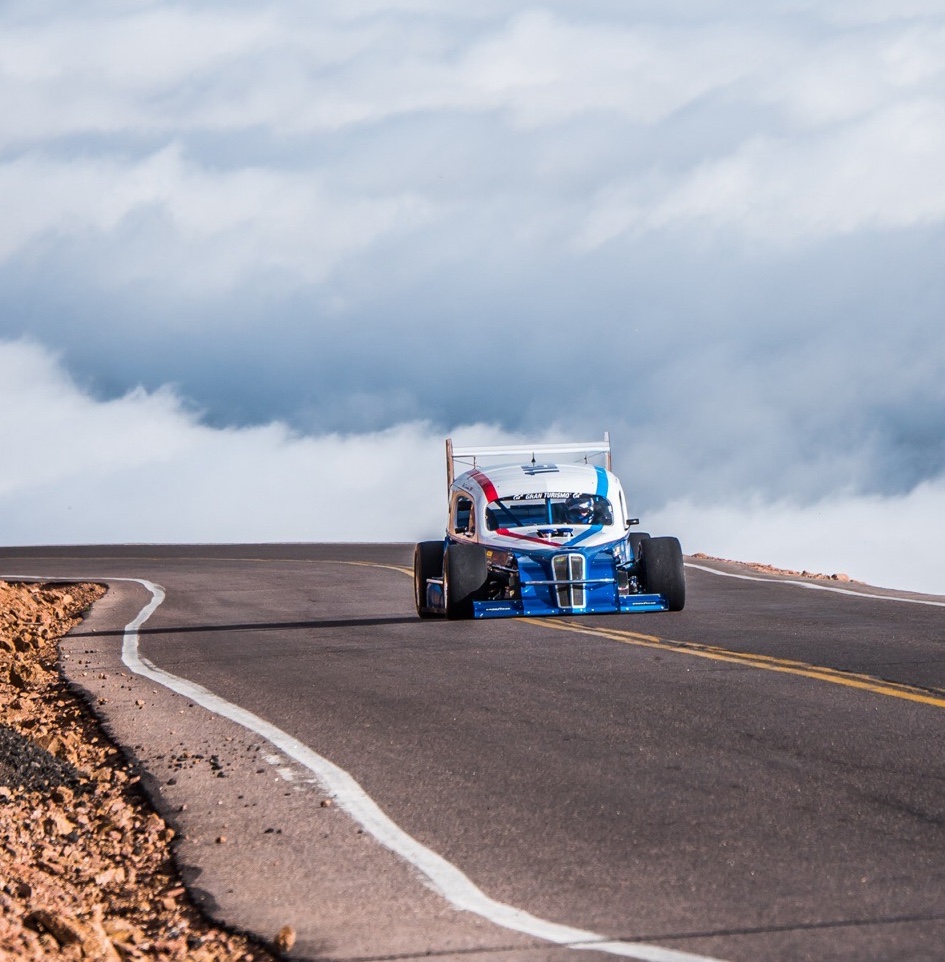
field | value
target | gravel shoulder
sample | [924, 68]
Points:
[86, 867]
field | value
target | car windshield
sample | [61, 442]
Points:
[554, 508]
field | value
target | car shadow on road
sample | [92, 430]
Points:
[332, 623]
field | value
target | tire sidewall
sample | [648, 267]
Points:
[427, 563]
[665, 572]
[465, 571]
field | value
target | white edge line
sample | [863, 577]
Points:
[441, 876]
[813, 586]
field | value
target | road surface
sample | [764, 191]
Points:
[758, 777]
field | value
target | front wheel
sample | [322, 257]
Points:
[636, 540]
[664, 572]
[465, 572]
[427, 563]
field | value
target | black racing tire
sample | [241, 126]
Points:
[465, 572]
[427, 563]
[664, 572]
[636, 540]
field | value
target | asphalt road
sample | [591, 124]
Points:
[758, 777]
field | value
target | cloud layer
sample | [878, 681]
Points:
[715, 230]
[142, 469]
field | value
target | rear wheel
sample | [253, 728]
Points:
[427, 563]
[664, 572]
[464, 576]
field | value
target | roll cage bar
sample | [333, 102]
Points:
[512, 454]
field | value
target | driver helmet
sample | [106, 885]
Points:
[580, 509]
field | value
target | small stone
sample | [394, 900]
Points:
[57, 824]
[123, 932]
[285, 938]
[52, 744]
[22, 890]
[154, 823]
[109, 877]
[63, 929]
[25, 677]
[61, 794]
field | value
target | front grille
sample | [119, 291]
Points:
[568, 569]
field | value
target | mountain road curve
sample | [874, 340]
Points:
[758, 777]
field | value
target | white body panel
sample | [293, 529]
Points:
[484, 486]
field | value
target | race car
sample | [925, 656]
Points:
[528, 535]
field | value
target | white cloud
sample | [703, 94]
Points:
[545, 70]
[143, 469]
[222, 223]
[860, 12]
[168, 69]
[889, 542]
[851, 74]
[712, 225]
[115, 71]
[886, 172]
[801, 134]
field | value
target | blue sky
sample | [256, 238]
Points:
[273, 253]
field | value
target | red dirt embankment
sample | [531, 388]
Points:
[85, 863]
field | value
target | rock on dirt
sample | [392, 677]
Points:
[86, 867]
[771, 570]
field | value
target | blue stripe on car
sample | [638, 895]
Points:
[602, 482]
[592, 530]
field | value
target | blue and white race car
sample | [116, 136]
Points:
[530, 536]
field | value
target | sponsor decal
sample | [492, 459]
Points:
[541, 495]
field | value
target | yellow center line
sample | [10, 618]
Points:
[372, 564]
[786, 666]
[924, 696]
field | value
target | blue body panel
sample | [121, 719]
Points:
[509, 609]
[539, 589]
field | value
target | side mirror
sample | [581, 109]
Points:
[632, 521]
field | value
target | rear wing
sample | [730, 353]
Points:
[513, 454]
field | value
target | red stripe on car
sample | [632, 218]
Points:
[527, 537]
[488, 488]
